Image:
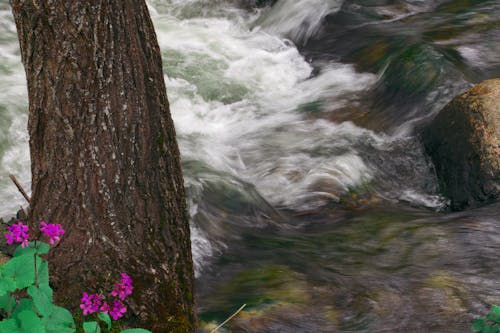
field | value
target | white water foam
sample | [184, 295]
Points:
[298, 19]
[435, 202]
[260, 134]
[14, 153]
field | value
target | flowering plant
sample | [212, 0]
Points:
[26, 296]
[18, 233]
[95, 303]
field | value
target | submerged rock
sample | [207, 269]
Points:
[464, 144]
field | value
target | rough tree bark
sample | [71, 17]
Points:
[105, 161]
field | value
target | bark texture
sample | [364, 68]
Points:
[105, 161]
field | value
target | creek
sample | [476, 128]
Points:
[311, 198]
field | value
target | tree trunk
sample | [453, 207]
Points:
[104, 157]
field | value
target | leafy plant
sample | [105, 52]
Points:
[488, 324]
[26, 298]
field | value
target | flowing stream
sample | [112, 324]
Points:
[311, 198]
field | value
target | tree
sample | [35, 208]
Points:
[104, 156]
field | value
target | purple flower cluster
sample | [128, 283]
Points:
[123, 288]
[54, 231]
[93, 303]
[18, 233]
[118, 310]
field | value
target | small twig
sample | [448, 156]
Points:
[228, 319]
[20, 188]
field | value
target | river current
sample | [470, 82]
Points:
[311, 198]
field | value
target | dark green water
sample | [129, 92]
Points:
[380, 269]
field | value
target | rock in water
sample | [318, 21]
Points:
[464, 144]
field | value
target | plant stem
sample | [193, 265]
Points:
[36, 270]
[228, 319]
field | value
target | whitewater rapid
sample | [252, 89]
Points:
[244, 102]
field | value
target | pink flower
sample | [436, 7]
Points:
[123, 288]
[90, 303]
[54, 231]
[118, 310]
[104, 308]
[18, 233]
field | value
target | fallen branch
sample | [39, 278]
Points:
[20, 188]
[228, 319]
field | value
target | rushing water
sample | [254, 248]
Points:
[310, 195]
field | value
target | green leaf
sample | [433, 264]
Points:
[105, 318]
[42, 298]
[60, 320]
[43, 273]
[136, 330]
[493, 317]
[29, 322]
[9, 326]
[22, 270]
[477, 325]
[7, 284]
[22, 251]
[23, 305]
[490, 329]
[495, 309]
[7, 302]
[91, 327]
[41, 248]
